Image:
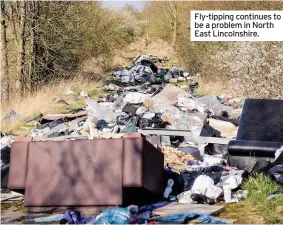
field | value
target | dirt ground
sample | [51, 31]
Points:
[15, 213]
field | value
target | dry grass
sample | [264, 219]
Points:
[91, 65]
[243, 212]
[215, 86]
[91, 77]
[141, 46]
[44, 102]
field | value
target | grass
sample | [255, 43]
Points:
[243, 212]
[256, 209]
[260, 187]
[44, 101]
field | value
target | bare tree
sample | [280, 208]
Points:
[4, 50]
[22, 47]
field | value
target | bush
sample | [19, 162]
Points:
[254, 69]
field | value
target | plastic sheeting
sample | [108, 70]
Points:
[169, 94]
[134, 97]
[186, 102]
[100, 112]
[214, 105]
[137, 72]
[177, 118]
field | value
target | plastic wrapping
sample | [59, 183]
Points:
[214, 105]
[100, 112]
[204, 185]
[114, 216]
[187, 103]
[181, 120]
[135, 97]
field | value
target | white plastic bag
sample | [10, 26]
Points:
[204, 185]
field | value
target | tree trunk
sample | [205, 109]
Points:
[175, 23]
[5, 63]
[34, 46]
[22, 49]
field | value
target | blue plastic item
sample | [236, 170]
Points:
[114, 216]
[75, 217]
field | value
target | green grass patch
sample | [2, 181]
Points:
[94, 92]
[179, 84]
[75, 104]
[260, 187]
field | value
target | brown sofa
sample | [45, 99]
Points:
[86, 172]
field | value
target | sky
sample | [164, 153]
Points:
[120, 4]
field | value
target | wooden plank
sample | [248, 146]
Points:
[178, 208]
[214, 140]
[165, 132]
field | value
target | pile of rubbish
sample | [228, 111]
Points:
[196, 170]
[144, 70]
[204, 181]
[133, 108]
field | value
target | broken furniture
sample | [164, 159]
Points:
[260, 133]
[86, 172]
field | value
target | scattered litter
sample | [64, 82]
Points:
[110, 87]
[68, 92]
[273, 196]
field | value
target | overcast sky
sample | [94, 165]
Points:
[120, 4]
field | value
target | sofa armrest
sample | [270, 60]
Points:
[18, 165]
[153, 168]
[253, 148]
[143, 164]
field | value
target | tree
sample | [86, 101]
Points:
[22, 47]
[163, 19]
[43, 41]
[4, 50]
